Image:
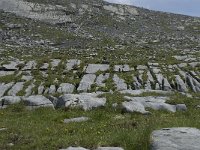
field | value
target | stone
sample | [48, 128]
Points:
[101, 78]
[45, 66]
[36, 101]
[86, 101]
[142, 67]
[166, 85]
[136, 83]
[28, 90]
[52, 89]
[181, 107]
[6, 73]
[193, 83]
[12, 66]
[86, 82]
[16, 88]
[182, 138]
[109, 148]
[180, 84]
[9, 100]
[72, 63]
[53, 99]
[156, 103]
[93, 68]
[141, 91]
[122, 68]
[40, 89]
[75, 148]
[120, 83]
[79, 119]
[54, 63]
[4, 88]
[134, 107]
[26, 78]
[30, 65]
[66, 88]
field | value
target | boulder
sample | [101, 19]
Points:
[37, 101]
[75, 148]
[86, 101]
[121, 68]
[66, 88]
[120, 83]
[109, 148]
[86, 82]
[16, 88]
[9, 100]
[156, 103]
[93, 68]
[4, 88]
[79, 119]
[101, 78]
[72, 63]
[183, 138]
[134, 107]
[180, 84]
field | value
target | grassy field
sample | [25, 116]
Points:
[44, 128]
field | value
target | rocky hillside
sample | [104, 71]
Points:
[90, 53]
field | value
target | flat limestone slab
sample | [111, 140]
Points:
[183, 138]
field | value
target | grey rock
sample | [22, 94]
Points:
[134, 107]
[183, 138]
[101, 78]
[138, 92]
[55, 63]
[109, 148]
[52, 89]
[180, 84]
[13, 65]
[86, 101]
[136, 83]
[45, 66]
[142, 67]
[53, 99]
[6, 73]
[27, 78]
[122, 68]
[73, 63]
[181, 107]
[93, 68]
[86, 82]
[193, 83]
[28, 90]
[66, 88]
[79, 119]
[120, 83]
[16, 88]
[156, 103]
[166, 85]
[30, 65]
[4, 88]
[36, 101]
[40, 89]
[9, 100]
[75, 148]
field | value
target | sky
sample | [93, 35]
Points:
[187, 7]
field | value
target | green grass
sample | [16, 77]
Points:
[44, 128]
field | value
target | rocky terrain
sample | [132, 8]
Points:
[92, 58]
